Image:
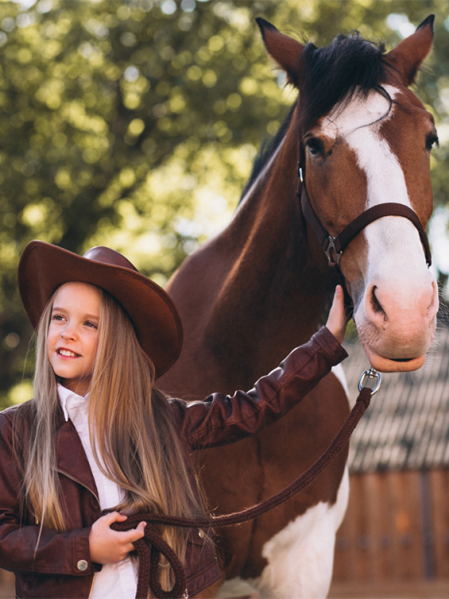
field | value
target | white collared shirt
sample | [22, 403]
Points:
[114, 581]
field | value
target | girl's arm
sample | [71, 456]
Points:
[223, 419]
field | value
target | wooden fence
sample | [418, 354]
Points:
[396, 529]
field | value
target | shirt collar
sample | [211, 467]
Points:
[65, 395]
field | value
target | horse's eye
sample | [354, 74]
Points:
[431, 140]
[315, 146]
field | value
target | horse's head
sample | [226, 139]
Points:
[365, 140]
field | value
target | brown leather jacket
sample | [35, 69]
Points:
[61, 564]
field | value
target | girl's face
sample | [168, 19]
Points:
[73, 335]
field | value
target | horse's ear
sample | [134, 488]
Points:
[408, 56]
[283, 49]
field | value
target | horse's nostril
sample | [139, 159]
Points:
[375, 304]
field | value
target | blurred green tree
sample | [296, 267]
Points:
[134, 123]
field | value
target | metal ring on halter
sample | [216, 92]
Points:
[331, 252]
[371, 374]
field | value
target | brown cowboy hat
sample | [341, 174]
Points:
[44, 267]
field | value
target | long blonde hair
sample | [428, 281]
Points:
[132, 434]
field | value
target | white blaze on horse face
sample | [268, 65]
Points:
[396, 306]
[358, 124]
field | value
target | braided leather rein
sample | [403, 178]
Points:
[150, 547]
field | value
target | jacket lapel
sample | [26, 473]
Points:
[71, 459]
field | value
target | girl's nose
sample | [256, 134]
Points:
[68, 333]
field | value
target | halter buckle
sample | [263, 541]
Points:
[332, 254]
[370, 374]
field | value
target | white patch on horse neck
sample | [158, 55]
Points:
[300, 557]
[339, 372]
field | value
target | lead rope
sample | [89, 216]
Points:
[152, 545]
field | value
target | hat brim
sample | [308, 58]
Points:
[44, 267]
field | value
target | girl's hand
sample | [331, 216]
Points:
[336, 321]
[108, 546]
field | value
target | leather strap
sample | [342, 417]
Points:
[152, 544]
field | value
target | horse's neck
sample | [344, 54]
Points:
[253, 293]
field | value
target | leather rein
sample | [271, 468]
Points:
[152, 545]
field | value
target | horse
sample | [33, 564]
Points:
[259, 288]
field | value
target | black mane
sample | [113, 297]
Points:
[349, 66]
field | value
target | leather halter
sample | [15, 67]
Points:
[333, 246]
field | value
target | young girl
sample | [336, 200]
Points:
[99, 436]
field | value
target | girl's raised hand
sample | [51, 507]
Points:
[336, 321]
[109, 546]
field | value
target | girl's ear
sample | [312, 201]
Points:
[283, 49]
[408, 56]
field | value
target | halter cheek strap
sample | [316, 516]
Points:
[333, 246]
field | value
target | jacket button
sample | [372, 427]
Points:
[82, 565]
[201, 533]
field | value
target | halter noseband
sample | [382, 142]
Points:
[333, 246]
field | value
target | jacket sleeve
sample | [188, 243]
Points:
[223, 419]
[24, 546]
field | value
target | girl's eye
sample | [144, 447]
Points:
[57, 317]
[91, 325]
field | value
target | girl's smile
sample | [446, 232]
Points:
[66, 352]
[73, 335]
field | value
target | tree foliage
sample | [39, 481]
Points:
[134, 123]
